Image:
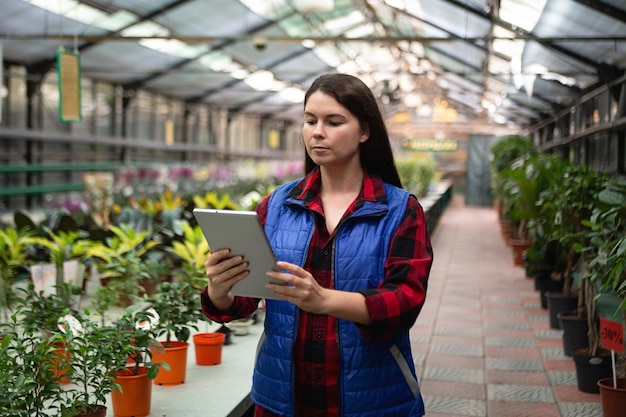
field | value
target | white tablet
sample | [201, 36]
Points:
[242, 233]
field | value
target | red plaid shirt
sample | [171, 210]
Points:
[393, 306]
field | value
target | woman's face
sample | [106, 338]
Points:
[332, 134]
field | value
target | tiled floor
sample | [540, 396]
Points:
[483, 345]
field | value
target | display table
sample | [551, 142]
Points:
[211, 391]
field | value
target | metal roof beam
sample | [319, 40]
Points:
[604, 8]
[545, 41]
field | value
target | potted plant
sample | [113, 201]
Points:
[61, 248]
[503, 153]
[566, 206]
[97, 354]
[607, 264]
[120, 261]
[14, 259]
[583, 239]
[29, 378]
[522, 184]
[178, 307]
[192, 253]
[133, 393]
[545, 261]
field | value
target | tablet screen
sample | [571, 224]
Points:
[242, 233]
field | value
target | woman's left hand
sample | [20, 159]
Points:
[300, 287]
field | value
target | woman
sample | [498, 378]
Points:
[355, 253]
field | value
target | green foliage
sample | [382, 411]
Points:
[40, 312]
[179, 309]
[192, 253]
[564, 207]
[503, 154]
[97, 353]
[417, 173]
[121, 261]
[520, 187]
[136, 328]
[29, 379]
[607, 248]
[13, 261]
[507, 150]
[216, 200]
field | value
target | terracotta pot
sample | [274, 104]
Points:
[506, 228]
[61, 363]
[519, 246]
[135, 399]
[612, 396]
[176, 357]
[208, 348]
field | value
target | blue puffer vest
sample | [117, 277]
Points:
[377, 377]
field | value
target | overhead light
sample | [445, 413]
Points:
[292, 94]
[314, 5]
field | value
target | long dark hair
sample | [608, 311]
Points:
[352, 93]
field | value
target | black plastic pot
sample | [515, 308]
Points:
[544, 285]
[560, 303]
[590, 369]
[575, 331]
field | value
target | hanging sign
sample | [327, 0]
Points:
[612, 335]
[429, 145]
[1, 83]
[68, 71]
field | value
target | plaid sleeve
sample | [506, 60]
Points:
[396, 303]
[241, 308]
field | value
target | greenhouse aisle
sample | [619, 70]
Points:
[483, 345]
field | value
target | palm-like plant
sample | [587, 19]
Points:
[13, 259]
[192, 253]
[63, 246]
[120, 260]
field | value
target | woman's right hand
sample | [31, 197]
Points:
[223, 272]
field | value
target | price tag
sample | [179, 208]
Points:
[612, 335]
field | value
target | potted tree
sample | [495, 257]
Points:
[608, 271]
[567, 205]
[522, 184]
[503, 153]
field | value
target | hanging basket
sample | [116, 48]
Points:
[208, 347]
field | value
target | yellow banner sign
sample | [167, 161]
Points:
[429, 145]
[68, 67]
